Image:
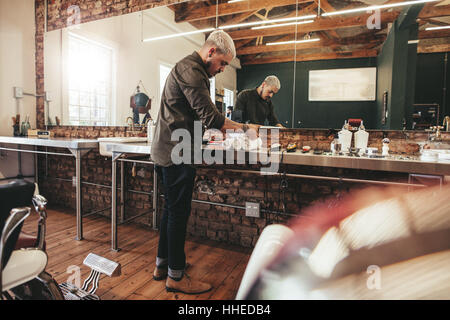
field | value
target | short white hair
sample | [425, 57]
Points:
[273, 81]
[222, 41]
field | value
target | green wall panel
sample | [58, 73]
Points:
[253, 75]
[311, 114]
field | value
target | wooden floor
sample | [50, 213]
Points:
[220, 264]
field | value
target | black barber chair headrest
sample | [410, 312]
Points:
[15, 194]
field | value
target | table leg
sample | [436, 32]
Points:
[36, 166]
[114, 246]
[19, 162]
[122, 192]
[78, 195]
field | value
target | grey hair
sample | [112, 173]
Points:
[222, 41]
[273, 81]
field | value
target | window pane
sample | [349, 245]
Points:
[73, 112]
[92, 101]
[164, 72]
[101, 101]
[84, 113]
[94, 114]
[228, 97]
[102, 114]
[84, 99]
[90, 81]
[74, 97]
[212, 88]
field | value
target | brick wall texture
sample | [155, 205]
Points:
[213, 184]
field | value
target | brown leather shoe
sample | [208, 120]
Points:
[161, 273]
[187, 285]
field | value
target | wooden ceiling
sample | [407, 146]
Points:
[341, 36]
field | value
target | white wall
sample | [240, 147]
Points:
[136, 60]
[17, 69]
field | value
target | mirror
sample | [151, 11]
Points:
[94, 70]
[404, 53]
[97, 72]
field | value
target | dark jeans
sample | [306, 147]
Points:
[178, 184]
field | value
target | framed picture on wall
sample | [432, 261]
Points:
[350, 84]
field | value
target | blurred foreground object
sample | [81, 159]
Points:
[372, 244]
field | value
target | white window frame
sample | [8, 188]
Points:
[111, 95]
[161, 86]
[212, 89]
[228, 97]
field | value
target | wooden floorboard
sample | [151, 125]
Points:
[220, 264]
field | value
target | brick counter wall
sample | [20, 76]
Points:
[214, 184]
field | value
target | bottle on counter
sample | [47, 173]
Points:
[335, 145]
[150, 130]
[345, 137]
[27, 125]
[385, 149]
[361, 139]
[22, 129]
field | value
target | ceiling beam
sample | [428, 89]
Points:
[327, 7]
[225, 9]
[320, 24]
[436, 22]
[431, 34]
[310, 45]
[434, 12]
[312, 57]
[433, 48]
[241, 17]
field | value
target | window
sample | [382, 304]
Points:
[212, 89]
[90, 82]
[228, 98]
[164, 71]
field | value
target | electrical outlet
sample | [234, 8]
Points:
[252, 209]
[18, 92]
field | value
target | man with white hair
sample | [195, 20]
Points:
[186, 99]
[256, 104]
